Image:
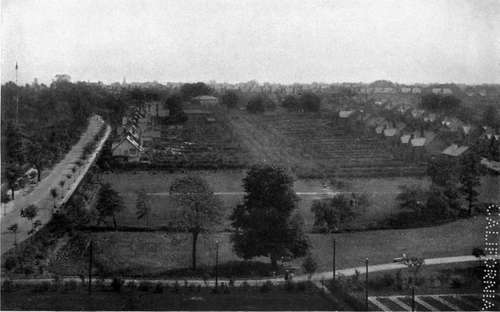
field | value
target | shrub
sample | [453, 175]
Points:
[131, 285]
[289, 285]
[456, 282]
[42, 287]
[8, 286]
[478, 252]
[70, 285]
[116, 284]
[144, 286]
[301, 286]
[176, 287]
[10, 263]
[266, 287]
[158, 288]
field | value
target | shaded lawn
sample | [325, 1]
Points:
[237, 299]
[151, 253]
[381, 193]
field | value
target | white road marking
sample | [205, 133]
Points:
[425, 304]
[446, 303]
[379, 304]
[400, 303]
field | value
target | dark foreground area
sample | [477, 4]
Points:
[181, 298]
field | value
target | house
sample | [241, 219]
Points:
[390, 132]
[447, 91]
[491, 165]
[430, 117]
[405, 139]
[127, 148]
[417, 142]
[405, 90]
[205, 100]
[454, 150]
[417, 113]
[436, 90]
[345, 113]
[416, 90]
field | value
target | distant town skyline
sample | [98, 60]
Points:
[424, 41]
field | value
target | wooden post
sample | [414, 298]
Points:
[334, 259]
[366, 285]
[90, 268]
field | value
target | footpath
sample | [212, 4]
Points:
[256, 282]
[40, 195]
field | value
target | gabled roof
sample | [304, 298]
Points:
[379, 129]
[405, 138]
[390, 132]
[345, 113]
[131, 140]
[429, 136]
[490, 164]
[417, 142]
[455, 150]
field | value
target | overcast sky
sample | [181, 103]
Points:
[275, 41]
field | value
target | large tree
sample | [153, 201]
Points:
[142, 206]
[256, 104]
[490, 117]
[413, 198]
[109, 203]
[12, 173]
[332, 214]
[469, 178]
[263, 223]
[200, 210]
[189, 90]
[230, 99]
[309, 102]
[291, 103]
[36, 156]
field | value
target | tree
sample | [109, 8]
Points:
[309, 102]
[200, 209]
[256, 104]
[263, 223]
[30, 213]
[189, 90]
[13, 228]
[291, 103]
[142, 206]
[412, 198]
[331, 214]
[53, 193]
[109, 203]
[230, 99]
[12, 173]
[490, 117]
[176, 113]
[309, 265]
[36, 156]
[469, 178]
[441, 171]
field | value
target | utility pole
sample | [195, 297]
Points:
[366, 285]
[90, 267]
[413, 298]
[334, 259]
[216, 265]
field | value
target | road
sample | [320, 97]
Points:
[275, 280]
[40, 196]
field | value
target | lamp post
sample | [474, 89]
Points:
[366, 284]
[216, 264]
[334, 259]
[90, 267]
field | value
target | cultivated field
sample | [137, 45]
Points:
[316, 145]
[204, 141]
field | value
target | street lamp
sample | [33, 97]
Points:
[334, 259]
[216, 264]
[90, 266]
[366, 284]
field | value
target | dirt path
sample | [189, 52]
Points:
[41, 197]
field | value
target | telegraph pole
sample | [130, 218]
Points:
[366, 285]
[90, 267]
[216, 265]
[334, 259]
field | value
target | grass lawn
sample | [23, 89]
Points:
[151, 253]
[381, 193]
[237, 299]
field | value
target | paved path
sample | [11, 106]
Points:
[275, 280]
[40, 196]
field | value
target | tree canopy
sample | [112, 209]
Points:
[264, 223]
[189, 90]
[332, 214]
[200, 211]
[109, 203]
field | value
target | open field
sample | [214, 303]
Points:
[238, 299]
[315, 145]
[152, 253]
[381, 193]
